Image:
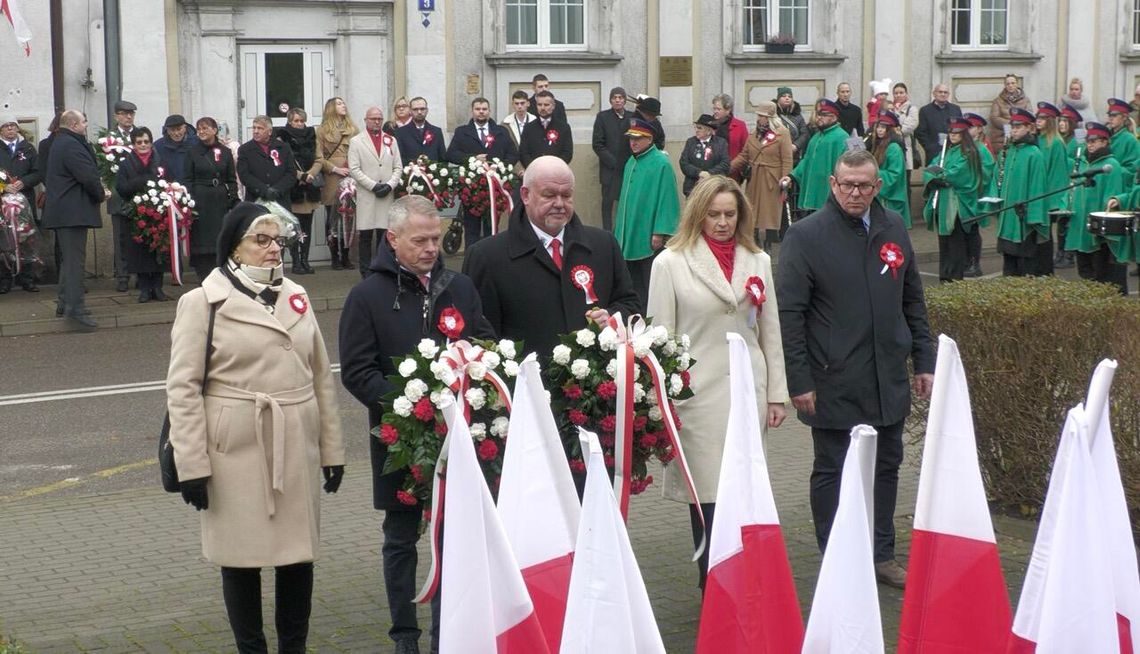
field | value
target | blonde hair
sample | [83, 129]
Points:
[693, 217]
[331, 123]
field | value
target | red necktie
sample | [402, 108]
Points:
[556, 253]
[426, 281]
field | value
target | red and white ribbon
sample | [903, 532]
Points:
[13, 205]
[495, 189]
[415, 170]
[276, 157]
[345, 199]
[179, 237]
[583, 278]
[113, 145]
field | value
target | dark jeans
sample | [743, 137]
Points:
[365, 249]
[708, 509]
[73, 261]
[639, 270]
[1032, 260]
[401, 532]
[953, 254]
[1101, 266]
[827, 469]
[475, 228]
[241, 588]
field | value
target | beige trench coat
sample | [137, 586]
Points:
[688, 294]
[770, 161]
[370, 168]
[264, 428]
[332, 150]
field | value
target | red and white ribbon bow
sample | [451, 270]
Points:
[551, 136]
[276, 157]
[13, 205]
[417, 171]
[172, 194]
[754, 289]
[495, 190]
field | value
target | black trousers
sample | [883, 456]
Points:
[475, 228]
[73, 261]
[1101, 266]
[639, 270]
[241, 588]
[953, 254]
[300, 250]
[1062, 230]
[120, 232]
[974, 244]
[401, 532]
[365, 247]
[707, 509]
[827, 470]
[149, 282]
[611, 191]
[1031, 258]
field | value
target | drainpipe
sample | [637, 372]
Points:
[56, 17]
[111, 34]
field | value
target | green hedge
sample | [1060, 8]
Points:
[1029, 346]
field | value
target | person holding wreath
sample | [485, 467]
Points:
[138, 168]
[333, 134]
[712, 278]
[769, 153]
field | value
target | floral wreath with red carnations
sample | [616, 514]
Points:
[485, 188]
[162, 214]
[435, 180]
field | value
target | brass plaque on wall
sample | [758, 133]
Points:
[675, 71]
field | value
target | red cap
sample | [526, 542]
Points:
[959, 125]
[1097, 130]
[1067, 111]
[1118, 106]
[828, 107]
[1019, 115]
[889, 118]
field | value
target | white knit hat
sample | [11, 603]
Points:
[880, 86]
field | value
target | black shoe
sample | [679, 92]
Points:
[5, 285]
[1063, 262]
[1060, 258]
[345, 262]
[336, 265]
[144, 296]
[83, 322]
[407, 646]
[297, 268]
[973, 270]
[123, 285]
[157, 294]
[30, 287]
[305, 264]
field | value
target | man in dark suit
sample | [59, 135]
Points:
[124, 129]
[850, 113]
[265, 165]
[851, 313]
[547, 135]
[934, 121]
[649, 109]
[612, 148]
[541, 83]
[71, 207]
[704, 154]
[483, 139]
[18, 159]
[419, 137]
[524, 275]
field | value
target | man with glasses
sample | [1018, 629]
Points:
[124, 129]
[851, 313]
[823, 150]
[420, 137]
[933, 122]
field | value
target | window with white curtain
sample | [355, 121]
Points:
[765, 20]
[980, 24]
[546, 24]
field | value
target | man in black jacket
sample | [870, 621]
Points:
[851, 313]
[419, 137]
[704, 154]
[934, 120]
[124, 128]
[384, 317]
[850, 114]
[541, 83]
[71, 207]
[266, 165]
[18, 159]
[547, 135]
[525, 275]
[612, 147]
[484, 139]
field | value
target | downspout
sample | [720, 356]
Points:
[55, 11]
[111, 54]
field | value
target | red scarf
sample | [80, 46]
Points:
[145, 158]
[725, 253]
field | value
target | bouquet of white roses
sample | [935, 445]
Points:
[110, 151]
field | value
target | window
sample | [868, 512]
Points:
[979, 24]
[1136, 23]
[546, 24]
[768, 19]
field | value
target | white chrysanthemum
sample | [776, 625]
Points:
[402, 406]
[476, 398]
[580, 368]
[476, 370]
[443, 373]
[685, 342]
[152, 193]
[670, 348]
[478, 431]
[683, 361]
[676, 385]
[654, 412]
[611, 368]
[608, 339]
[491, 360]
[407, 367]
[638, 392]
[651, 398]
[642, 344]
[415, 389]
[511, 368]
[162, 183]
[443, 172]
[137, 199]
[499, 426]
[191, 203]
[660, 335]
[507, 348]
[585, 337]
[561, 355]
[150, 184]
[442, 398]
[428, 349]
[114, 168]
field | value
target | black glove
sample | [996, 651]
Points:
[938, 182]
[333, 477]
[194, 493]
[381, 190]
[935, 169]
[270, 194]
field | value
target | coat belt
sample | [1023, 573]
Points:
[273, 403]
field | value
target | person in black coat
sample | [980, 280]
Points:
[933, 120]
[173, 149]
[850, 113]
[541, 83]
[612, 147]
[136, 171]
[305, 197]
[265, 165]
[211, 172]
[480, 138]
[523, 274]
[850, 316]
[547, 135]
[420, 137]
[74, 192]
[384, 317]
[703, 153]
[18, 159]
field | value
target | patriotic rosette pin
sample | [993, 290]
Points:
[428, 137]
[754, 289]
[298, 303]
[583, 278]
[276, 157]
[451, 323]
[892, 256]
[551, 136]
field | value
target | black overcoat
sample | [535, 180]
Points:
[534, 142]
[414, 142]
[693, 160]
[264, 179]
[559, 109]
[465, 144]
[132, 180]
[73, 187]
[213, 185]
[22, 166]
[526, 297]
[848, 326]
[611, 145]
[383, 318]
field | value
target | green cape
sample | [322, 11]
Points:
[648, 203]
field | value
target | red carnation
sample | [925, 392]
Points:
[427, 515]
[685, 377]
[639, 423]
[608, 459]
[609, 423]
[488, 450]
[389, 435]
[607, 390]
[576, 465]
[418, 473]
[441, 428]
[648, 441]
[404, 497]
[572, 392]
[607, 440]
[667, 455]
[577, 417]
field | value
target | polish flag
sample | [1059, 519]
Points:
[485, 608]
[750, 602]
[11, 9]
[845, 611]
[537, 501]
[954, 577]
[607, 609]
[1068, 602]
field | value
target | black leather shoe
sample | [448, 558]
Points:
[336, 262]
[157, 294]
[144, 296]
[83, 322]
[123, 285]
[5, 285]
[30, 287]
[407, 646]
[973, 270]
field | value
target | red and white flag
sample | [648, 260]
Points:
[750, 603]
[954, 577]
[538, 504]
[1068, 601]
[11, 9]
[607, 609]
[485, 608]
[845, 610]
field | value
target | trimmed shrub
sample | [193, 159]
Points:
[1029, 346]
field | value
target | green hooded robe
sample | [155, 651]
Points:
[1088, 199]
[959, 201]
[895, 194]
[648, 203]
[813, 171]
[1024, 178]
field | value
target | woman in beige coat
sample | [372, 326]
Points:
[251, 446]
[374, 162]
[698, 288]
[333, 134]
[1011, 96]
[769, 151]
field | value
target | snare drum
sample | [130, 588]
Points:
[1113, 223]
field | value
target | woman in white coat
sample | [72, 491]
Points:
[700, 287]
[374, 162]
[252, 444]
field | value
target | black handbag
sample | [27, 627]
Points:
[166, 465]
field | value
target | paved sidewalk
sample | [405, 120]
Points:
[122, 572]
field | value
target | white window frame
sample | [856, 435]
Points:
[543, 30]
[1136, 24]
[773, 27]
[975, 11]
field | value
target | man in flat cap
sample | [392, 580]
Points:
[612, 148]
[124, 129]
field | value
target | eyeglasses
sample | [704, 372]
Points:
[851, 189]
[142, 141]
[263, 240]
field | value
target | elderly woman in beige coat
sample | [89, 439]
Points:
[251, 446]
[769, 151]
[374, 162]
[698, 287]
